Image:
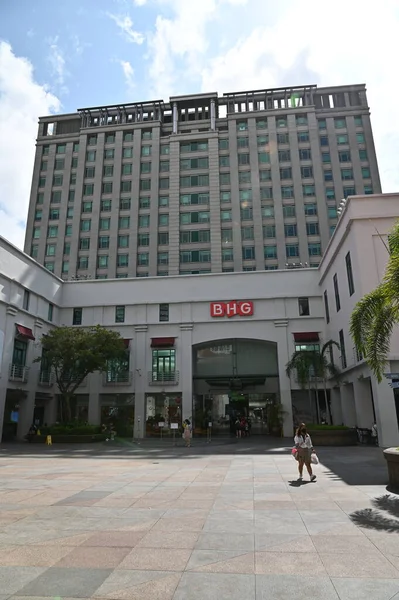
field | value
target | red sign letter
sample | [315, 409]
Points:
[246, 309]
[217, 309]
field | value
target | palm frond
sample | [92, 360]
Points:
[329, 346]
[378, 338]
[364, 314]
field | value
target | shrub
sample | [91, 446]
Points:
[71, 429]
[316, 427]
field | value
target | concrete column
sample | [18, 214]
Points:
[213, 116]
[175, 118]
[26, 410]
[94, 408]
[3, 395]
[386, 413]
[284, 381]
[348, 405]
[186, 370]
[50, 411]
[363, 403]
[140, 374]
[336, 407]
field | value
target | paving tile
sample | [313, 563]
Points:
[156, 559]
[139, 585]
[288, 563]
[387, 543]
[179, 525]
[169, 539]
[35, 556]
[300, 587]
[361, 589]
[283, 542]
[115, 539]
[213, 586]
[357, 565]
[225, 541]
[99, 557]
[214, 561]
[344, 544]
[13, 579]
[65, 583]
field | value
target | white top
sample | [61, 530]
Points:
[303, 442]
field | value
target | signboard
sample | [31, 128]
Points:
[161, 424]
[394, 385]
[392, 375]
[174, 425]
[244, 308]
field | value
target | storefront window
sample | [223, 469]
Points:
[118, 370]
[163, 408]
[118, 410]
[164, 365]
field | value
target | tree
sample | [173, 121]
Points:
[306, 364]
[376, 314]
[73, 353]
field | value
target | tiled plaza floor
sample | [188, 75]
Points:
[219, 521]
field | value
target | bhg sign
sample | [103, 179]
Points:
[243, 308]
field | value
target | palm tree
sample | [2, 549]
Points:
[376, 314]
[306, 364]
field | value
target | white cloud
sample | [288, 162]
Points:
[22, 101]
[139, 2]
[125, 24]
[57, 62]
[128, 73]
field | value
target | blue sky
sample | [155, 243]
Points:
[60, 55]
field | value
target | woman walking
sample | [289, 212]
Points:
[304, 446]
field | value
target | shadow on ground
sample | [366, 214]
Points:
[373, 518]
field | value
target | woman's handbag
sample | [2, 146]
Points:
[313, 459]
[294, 453]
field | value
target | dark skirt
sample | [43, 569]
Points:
[304, 455]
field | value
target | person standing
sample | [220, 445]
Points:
[304, 446]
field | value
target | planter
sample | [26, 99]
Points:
[333, 437]
[392, 458]
[69, 439]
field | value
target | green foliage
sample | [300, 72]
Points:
[376, 314]
[71, 429]
[73, 353]
[317, 427]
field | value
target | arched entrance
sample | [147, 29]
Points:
[235, 378]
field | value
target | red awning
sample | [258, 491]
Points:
[24, 332]
[308, 337]
[166, 342]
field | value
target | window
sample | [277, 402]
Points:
[110, 138]
[121, 275]
[358, 121]
[224, 160]
[246, 214]
[268, 211]
[287, 191]
[124, 204]
[312, 229]
[36, 233]
[163, 201]
[363, 155]
[128, 152]
[50, 249]
[108, 170]
[46, 150]
[195, 256]
[248, 253]
[165, 149]
[266, 193]
[261, 123]
[227, 254]
[336, 293]
[105, 205]
[305, 154]
[227, 235]
[223, 144]
[163, 238]
[59, 164]
[128, 136]
[124, 222]
[49, 266]
[164, 312]
[92, 140]
[84, 243]
[291, 250]
[344, 156]
[245, 195]
[340, 123]
[368, 189]
[265, 175]
[58, 180]
[310, 210]
[194, 163]
[38, 214]
[87, 207]
[247, 233]
[61, 148]
[242, 142]
[330, 193]
[107, 187]
[142, 258]
[314, 249]
[322, 124]
[56, 197]
[270, 252]
[119, 314]
[90, 172]
[144, 202]
[52, 231]
[224, 179]
[288, 211]
[104, 224]
[264, 157]
[103, 242]
[85, 225]
[126, 186]
[366, 173]
[269, 231]
[144, 220]
[163, 365]
[328, 176]
[332, 212]
[102, 262]
[76, 146]
[109, 154]
[163, 220]
[303, 306]
[122, 260]
[284, 155]
[346, 174]
[286, 173]
[194, 147]
[193, 199]
[325, 157]
[40, 198]
[349, 273]
[26, 299]
[308, 190]
[283, 138]
[145, 167]
[68, 230]
[323, 140]
[342, 139]
[281, 122]
[195, 236]
[303, 136]
[164, 166]
[242, 125]
[77, 316]
[244, 177]
[127, 168]
[34, 250]
[307, 172]
[326, 307]
[70, 212]
[349, 191]
[67, 248]
[164, 183]
[301, 120]
[91, 156]
[225, 215]
[88, 189]
[42, 182]
[290, 230]
[123, 241]
[342, 346]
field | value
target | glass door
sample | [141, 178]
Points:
[163, 365]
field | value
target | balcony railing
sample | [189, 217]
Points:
[18, 373]
[46, 378]
[121, 378]
[160, 378]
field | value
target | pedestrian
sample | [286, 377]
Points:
[374, 433]
[304, 446]
[187, 433]
[238, 427]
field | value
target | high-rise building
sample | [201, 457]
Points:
[201, 184]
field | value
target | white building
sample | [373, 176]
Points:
[189, 355]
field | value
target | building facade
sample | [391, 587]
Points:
[247, 181]
[207, 346]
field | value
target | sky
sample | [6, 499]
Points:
[60, 55]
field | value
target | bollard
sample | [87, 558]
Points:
[49, 441]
